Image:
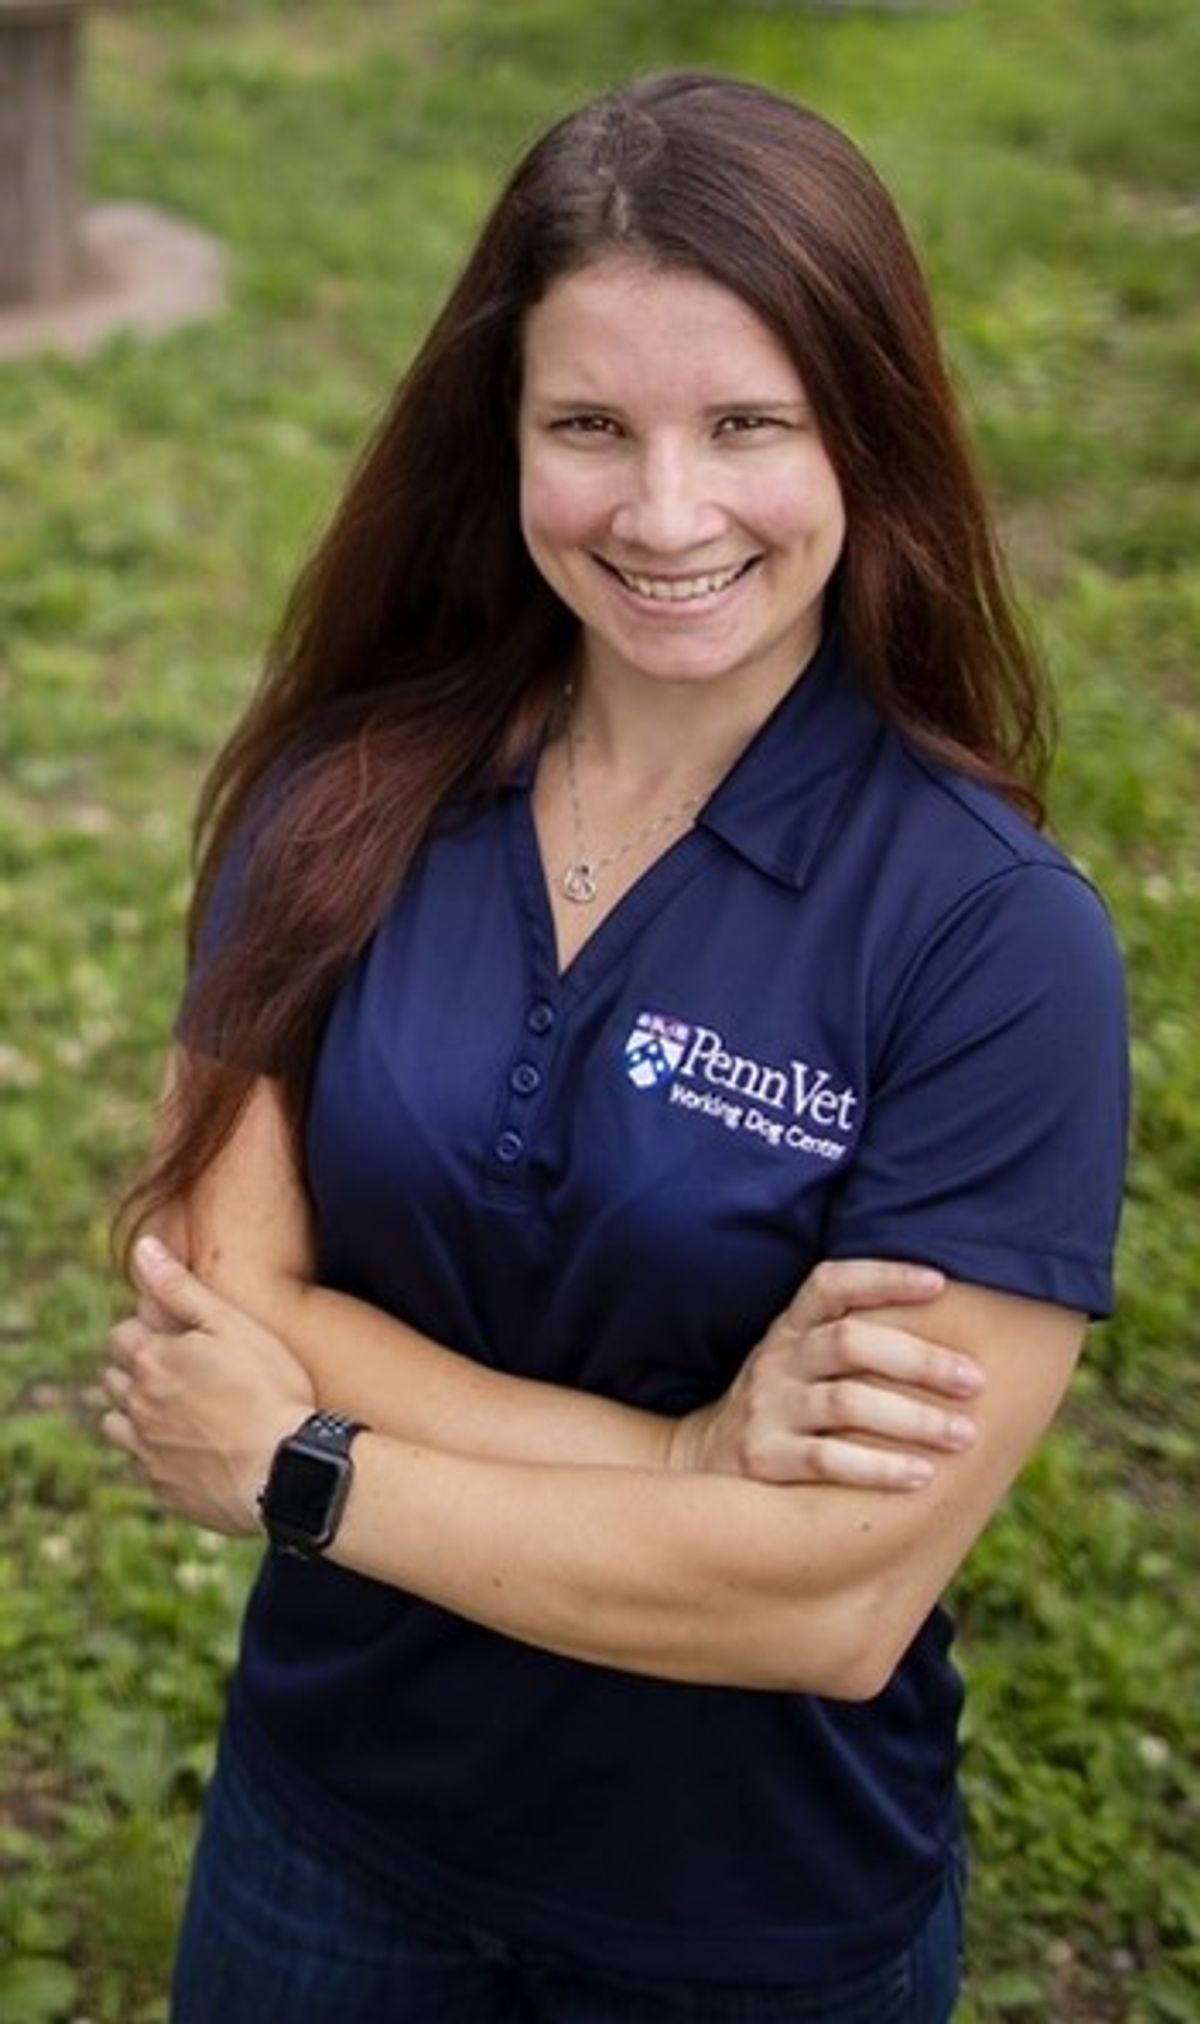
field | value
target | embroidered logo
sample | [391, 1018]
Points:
[655, 1049]
[798, 1105]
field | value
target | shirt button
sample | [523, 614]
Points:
[509, 1147]
[541, 1016]
[525, 1078]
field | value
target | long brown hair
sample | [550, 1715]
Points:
[421, 652]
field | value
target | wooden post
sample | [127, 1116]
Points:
[41, 149]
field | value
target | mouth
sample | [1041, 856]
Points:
[679, 590]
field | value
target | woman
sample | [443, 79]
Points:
[622, 905]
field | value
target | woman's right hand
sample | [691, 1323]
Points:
[819, 1399]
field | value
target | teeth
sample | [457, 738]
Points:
[680, 589]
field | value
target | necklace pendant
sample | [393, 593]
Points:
[579, 883]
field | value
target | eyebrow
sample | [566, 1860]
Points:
[778, 406]
[571, 404]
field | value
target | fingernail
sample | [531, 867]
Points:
[961, 1431]
[150, 1253]
[925, 1276]
[968, 1377]
[917, 1473]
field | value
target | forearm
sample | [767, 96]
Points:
[702, 1578]
[366, 1363]
[693, 1576]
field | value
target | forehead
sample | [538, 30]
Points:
[623, 329]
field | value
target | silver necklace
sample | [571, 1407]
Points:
[579, 881]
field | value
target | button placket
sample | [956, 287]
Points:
[526, 1077]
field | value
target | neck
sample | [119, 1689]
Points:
[660, 736]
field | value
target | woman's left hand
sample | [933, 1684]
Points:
[202, 1404]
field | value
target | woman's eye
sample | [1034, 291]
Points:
[586, 425]
[747, 425]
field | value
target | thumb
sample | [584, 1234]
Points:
[177, 1291]
[837, 1286]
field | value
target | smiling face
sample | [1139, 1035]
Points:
[675, 492]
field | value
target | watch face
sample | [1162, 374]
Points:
[302, 1489]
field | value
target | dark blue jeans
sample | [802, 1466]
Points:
[277, 1931]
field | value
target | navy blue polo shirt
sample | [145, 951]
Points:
[861, 1009]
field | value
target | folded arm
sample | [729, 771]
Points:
[701, 1577]
[708, 1577]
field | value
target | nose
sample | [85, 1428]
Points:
[668, 507]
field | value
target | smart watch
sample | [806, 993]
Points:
[309, 1480]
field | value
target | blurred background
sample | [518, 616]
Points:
[158, 496]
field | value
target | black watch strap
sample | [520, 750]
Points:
[331, 1431]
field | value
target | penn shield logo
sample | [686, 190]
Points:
[655, 1049]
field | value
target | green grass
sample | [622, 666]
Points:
[163, 496]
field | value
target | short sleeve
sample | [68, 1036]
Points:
[994, 1141]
